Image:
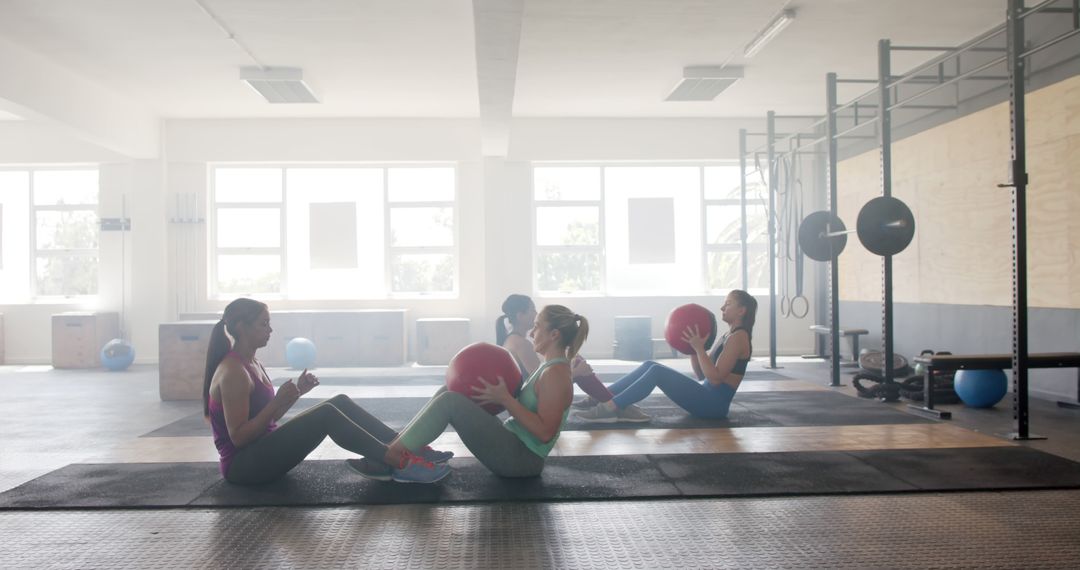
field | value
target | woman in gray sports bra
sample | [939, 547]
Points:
[721, 371]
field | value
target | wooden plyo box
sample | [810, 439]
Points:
[77, 338]
[182, 358]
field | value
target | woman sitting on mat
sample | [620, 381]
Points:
[519, 312]
[243, 408]
[722, 371]
[518, 447]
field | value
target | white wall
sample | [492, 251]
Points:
[166, 262]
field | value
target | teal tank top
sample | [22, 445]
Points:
[528, 398]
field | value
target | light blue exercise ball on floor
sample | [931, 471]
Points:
[980, 388]
[117, 354]
[300, 353]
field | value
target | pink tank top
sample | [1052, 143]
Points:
[262, 392]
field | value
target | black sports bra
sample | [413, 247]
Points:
[740, 364]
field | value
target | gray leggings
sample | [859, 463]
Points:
[274, 454]
[498, 448]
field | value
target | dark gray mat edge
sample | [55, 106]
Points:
[654, 476]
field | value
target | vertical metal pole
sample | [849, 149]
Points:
[834, 263]
[742, 204]
[770, 134]
[1014, 26]
[885, 142]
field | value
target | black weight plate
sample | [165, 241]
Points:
[885, 226]
[813, 241]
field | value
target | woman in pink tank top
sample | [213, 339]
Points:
[243, 409]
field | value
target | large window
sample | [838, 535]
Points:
[647, 230]
[48, 233]
[334, 232]
[724, 230]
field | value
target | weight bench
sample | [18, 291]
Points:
[952, 362]
[853, 334]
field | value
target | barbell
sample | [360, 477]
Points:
[885, 226]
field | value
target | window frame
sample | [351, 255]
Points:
[599, 249]
[34, 253]
[744, 248]
[282, 250]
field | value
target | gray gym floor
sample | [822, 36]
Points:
[52, 418]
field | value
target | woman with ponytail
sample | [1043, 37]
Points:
[518, 447]
[243, 409]
[511, 333]
[719, 373]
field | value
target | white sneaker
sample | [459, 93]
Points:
[584, 403]
[634, 414]
[598, 414]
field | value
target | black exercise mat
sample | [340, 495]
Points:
[752, 409]
[1014, 470]
[397, 412]
[822, 408]
[564, 478]
[429, 379]
[114, 484]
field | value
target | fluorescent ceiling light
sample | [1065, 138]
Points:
[278, 84]
[704, 82]
[774, 28]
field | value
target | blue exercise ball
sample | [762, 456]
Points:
[980, 388]
[300, 353]
[117, 354]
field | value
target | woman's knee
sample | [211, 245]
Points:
[322, 412]
[340, 399]
[449, 398]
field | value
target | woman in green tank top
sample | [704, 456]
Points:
[518, 447]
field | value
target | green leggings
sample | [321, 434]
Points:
[498, 448]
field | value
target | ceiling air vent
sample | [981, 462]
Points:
[704, 82]
[278, 84]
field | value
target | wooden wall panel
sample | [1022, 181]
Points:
[948, 175]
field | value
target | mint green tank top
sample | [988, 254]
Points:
[528, 398]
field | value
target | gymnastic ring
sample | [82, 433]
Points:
[784, 311]
[804, 312]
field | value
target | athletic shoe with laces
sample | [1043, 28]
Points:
[584, 403]
[416, 469]
[434, 455]
[370, 469]
[598, 414]
[633, 413]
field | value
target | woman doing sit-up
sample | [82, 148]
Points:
[243, 409]
[511, 332]
[518, 447]
[721, 371]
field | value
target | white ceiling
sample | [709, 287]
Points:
[420, 58]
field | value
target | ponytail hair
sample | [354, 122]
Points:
[573, 328]
[748, 302]
[501, 334]
[241, 310]
[511, 307]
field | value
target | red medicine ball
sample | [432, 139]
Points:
[688, 316]
[487, 361]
